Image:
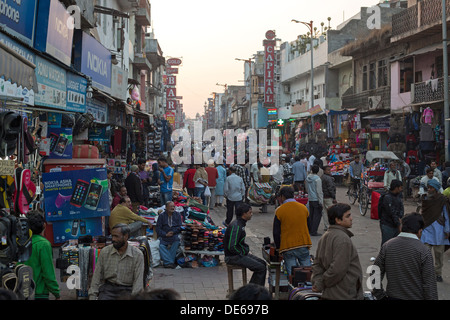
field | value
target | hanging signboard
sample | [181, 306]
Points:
[173, 62]
[269, 69]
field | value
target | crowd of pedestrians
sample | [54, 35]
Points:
[414, 242]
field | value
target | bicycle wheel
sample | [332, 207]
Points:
[352, 196]
[363, 201]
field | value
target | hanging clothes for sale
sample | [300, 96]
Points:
[428, 115]
[426, 132]
[117, 142]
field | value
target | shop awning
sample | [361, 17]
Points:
[377, 116]
[102, 94]
[142, 114]
[300, 115]
[430, 48]
[17, 69]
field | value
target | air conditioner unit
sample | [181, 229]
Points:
[374, 101]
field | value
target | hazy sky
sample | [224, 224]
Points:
[208, 35]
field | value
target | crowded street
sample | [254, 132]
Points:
[214, 152]
[212, 283]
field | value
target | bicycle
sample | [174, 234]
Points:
[354, 193]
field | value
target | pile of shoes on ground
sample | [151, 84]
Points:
[197, 237]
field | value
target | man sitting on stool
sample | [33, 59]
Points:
[122, 214]
[237, 252]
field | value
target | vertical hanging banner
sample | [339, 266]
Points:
[269, 69]
[171, 93]
[171, 81]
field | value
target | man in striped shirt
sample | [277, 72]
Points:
[237, 252]
[407, 264]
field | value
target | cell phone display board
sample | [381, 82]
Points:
[77, 194]
[61, 146]
[73, 229]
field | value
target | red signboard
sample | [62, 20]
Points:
[171, 93]
[171, 81]
[269, 70]
[171, 70]
[170, 117]
[171, 105]
[173, 62]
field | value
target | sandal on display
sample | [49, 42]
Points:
[9, 281]
[25, 191]
[24, 287]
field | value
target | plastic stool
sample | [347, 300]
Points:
[230, 269]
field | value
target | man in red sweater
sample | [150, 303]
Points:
[188, 180]
[213, 174]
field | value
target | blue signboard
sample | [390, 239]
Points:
[18, 18]
[51, 81]
[17, 47]
[93, 59]
[76, 93]
[54, 36]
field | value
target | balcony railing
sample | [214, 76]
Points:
[428, 91]
[381, 100]
[405, 21]
[143, 13]
[421, 16]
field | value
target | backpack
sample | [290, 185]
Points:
[15, 238]
[23, 239]
[8, 245]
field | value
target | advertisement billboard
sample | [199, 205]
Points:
[54, 36]
[17, 17]
[77, 194]
[51, 80]
[76, 93]
[93, 59]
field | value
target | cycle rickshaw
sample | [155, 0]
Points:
[373, 176]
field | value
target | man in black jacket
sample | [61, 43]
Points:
[134, 188]
[390, 211]
[237, 252]
[329, 194]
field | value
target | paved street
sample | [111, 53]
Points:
[211, 283]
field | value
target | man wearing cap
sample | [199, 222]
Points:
[134, 188]
[435, 208]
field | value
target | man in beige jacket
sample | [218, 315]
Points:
[336, 271]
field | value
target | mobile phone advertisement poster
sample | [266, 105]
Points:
[77, 194]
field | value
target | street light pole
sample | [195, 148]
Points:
[310, 26]
[445, 58]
